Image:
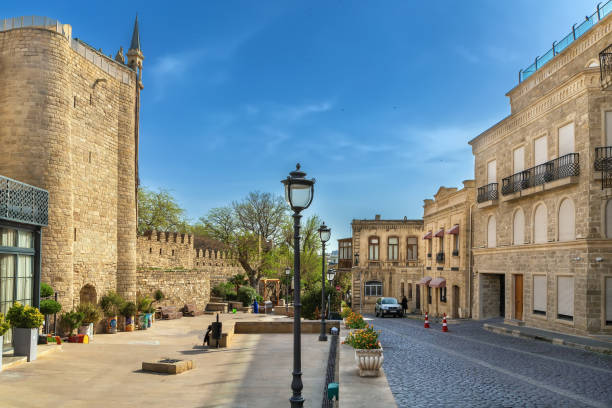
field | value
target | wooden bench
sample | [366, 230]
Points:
[170, 312]
[191, 310]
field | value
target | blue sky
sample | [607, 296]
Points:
[376, 99]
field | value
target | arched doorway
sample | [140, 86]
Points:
[88, 294]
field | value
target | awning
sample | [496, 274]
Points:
[454, 230]
[440, 233]
[428, 235]
[424, 281]
[438, 283]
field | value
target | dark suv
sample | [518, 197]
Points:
[388, 306]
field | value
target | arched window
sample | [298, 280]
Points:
[518, 228]
[373, 288]
[393, 246]
[373, 246]
[567, 221]
[609, 219]
[540, 221]
[491, 232]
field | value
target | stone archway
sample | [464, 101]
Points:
[88, 294]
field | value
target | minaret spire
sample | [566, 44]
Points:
[135, 37]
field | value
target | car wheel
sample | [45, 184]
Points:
[376, 313]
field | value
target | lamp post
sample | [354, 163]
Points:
[298, 194]
[360, 284]
[324, 234]
[287, 274]
[330, 277]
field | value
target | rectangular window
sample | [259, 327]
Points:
[519, 159]
[429, 246]
[609, 301]
[492, 172]
[345, 251]
[393, 246]
[566, 139]
[565, 298]
[456, 245]
[539, 294]
[540, 147]
[443, 294]
[373, 289]
[373, 249]
[412, 254]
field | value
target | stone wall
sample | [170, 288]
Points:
[180, 287]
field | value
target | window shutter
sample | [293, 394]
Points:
[539, 293]
[519, 227]
[491, 233]
[541, 150]
[567, 221]
[492, 172]
[566, 139]
[519, 160]
[540, 222]
[565, 296]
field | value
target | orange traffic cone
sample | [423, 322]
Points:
[444, 325]
[426, 321]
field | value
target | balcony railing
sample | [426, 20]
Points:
[487, 193]
[23, 203]
[603, 158]
[564, 166]
[605, 67]
[440, 257]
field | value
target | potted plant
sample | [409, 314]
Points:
[144, 304]
[49, 307]
[4, 326]
[355, 321]
[127, 311]
[111, 304]
[368, 351]
[25, 321]
[72, 320]
[158, 296]
[91, 316]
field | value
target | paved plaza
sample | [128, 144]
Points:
[254, 372]
[471, 367]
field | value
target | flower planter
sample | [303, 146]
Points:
[142, 322]
[25, 342]
[88, 329]
[111, 325]
[369, 362]
[79, 338]
[129, 324]
[149, 320]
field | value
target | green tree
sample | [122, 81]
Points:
[158, 210]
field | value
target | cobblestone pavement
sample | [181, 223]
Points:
[471, 367]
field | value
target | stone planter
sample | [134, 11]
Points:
[88, 329]
[369, 362]
[149, 319]
[111, 325]
[25, 342]
[142, 321]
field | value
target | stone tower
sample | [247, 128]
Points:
[69, 119]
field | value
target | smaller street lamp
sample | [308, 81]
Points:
[330, 277]
[325, 235]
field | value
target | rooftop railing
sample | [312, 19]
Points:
[577, 31]
[564, 166]
[20, 202]
[32, 21]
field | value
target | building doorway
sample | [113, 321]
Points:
[455, 310]
[518, 297]
[418, 297]
[492, 295]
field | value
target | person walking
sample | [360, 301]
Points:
[404, 304]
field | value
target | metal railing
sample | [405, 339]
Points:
[564, 166]
[32, 21]
[603, 158]
[487, 193]
[605, 66]
[577, 31]
[440, 257]
[22, 202]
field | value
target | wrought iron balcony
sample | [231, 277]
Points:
[440, 257]
[429, 255]
[487, 193]
[603, 158]
[605, 67]
[564, 166]
[23, 203]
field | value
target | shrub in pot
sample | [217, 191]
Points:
[144, 305]
[91, 316]
[4, 326]
[368, 351]
[46, 291]
[25, 321]
[128, 311]
[111, 304]
[246, 295]
[71, 321]
[49, 307]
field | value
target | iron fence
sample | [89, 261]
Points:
[577, 31]
[564, 166]
[487, 193]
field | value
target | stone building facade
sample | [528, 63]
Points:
[389, 265]
[69, 118]
[543, 224]
[446, 287]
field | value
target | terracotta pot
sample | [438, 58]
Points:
[369, 362]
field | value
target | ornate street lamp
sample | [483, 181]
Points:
[324, 234]
[287, 274]
[330, 277]
[298, 194]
